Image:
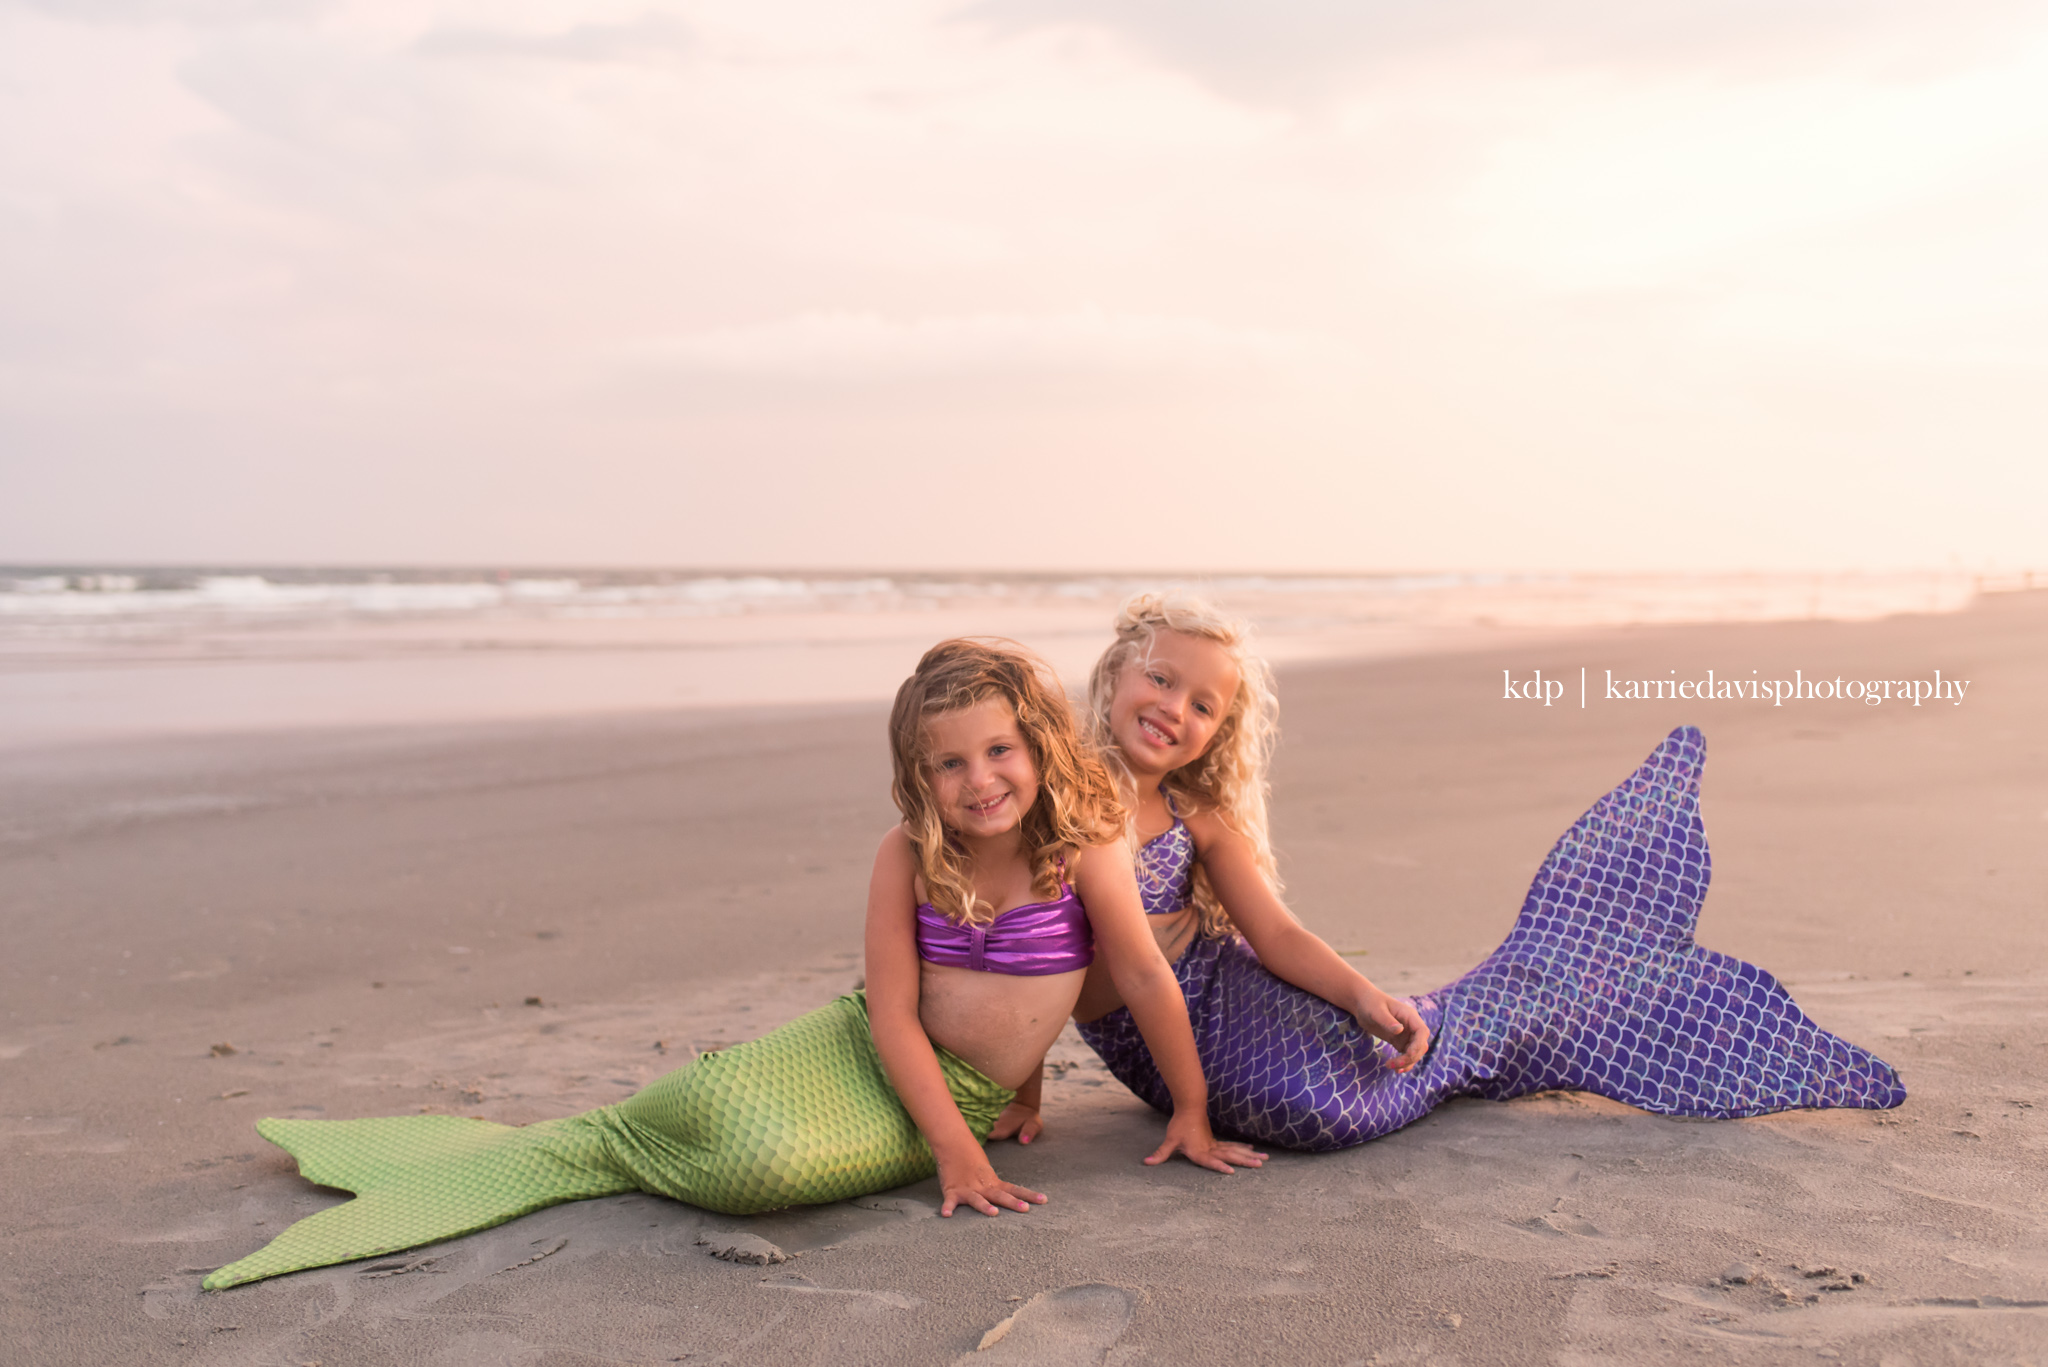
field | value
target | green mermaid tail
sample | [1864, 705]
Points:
[797, 1118]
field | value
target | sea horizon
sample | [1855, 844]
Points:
[49, 593]
[101, 652]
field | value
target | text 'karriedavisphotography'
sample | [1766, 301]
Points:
[1607, 686]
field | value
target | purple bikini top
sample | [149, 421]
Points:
[1030, 941]
[1166, 867]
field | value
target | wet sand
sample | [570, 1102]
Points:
[361, 918]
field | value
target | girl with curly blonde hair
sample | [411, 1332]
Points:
[1187, 714]
[1599, 985]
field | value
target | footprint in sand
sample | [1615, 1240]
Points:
[165, 1298]
[1559, 1223]
[1071, 1327]
[742, 1248]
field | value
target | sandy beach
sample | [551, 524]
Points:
[526, 918]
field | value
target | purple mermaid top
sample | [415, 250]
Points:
[1166, 867]
[1030, 941]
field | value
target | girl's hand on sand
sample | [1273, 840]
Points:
[976, 1184]
[1019, 1122]
[1398, 1023]
[1190, 1137]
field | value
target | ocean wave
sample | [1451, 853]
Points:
[44, 602]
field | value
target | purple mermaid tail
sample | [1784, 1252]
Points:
[1599, 988]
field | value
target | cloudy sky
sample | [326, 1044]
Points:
[1362, 284]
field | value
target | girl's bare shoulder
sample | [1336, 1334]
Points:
[1110, 853]
[896, 861]
[1210, 830]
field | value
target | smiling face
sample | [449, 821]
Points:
[981, 773]
[1169, 702]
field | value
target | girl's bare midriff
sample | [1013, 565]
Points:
[1099, 995]
[1001, 1023]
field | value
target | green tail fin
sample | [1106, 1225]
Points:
[799, 1117]
[423, 1178]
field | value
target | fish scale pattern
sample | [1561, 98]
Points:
[1598, 987]
[1166, 870]
[802, 1116]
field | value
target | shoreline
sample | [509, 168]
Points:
[248, 664]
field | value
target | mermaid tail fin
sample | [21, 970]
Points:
[1599, 987]
[802, 1116]
[421, 1179]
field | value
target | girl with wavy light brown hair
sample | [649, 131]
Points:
[1079, 804]
[989, 905]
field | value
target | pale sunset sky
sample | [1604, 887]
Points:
[1120, 284]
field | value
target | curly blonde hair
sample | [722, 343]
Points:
[1230, 778]
[1078, 802]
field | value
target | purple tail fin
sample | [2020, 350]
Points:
[1600, 987]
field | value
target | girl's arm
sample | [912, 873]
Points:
[1291, 952]
[965, 1175]
[1109, 889]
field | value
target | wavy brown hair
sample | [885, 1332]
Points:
[1230, 778]
[1078, 803]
